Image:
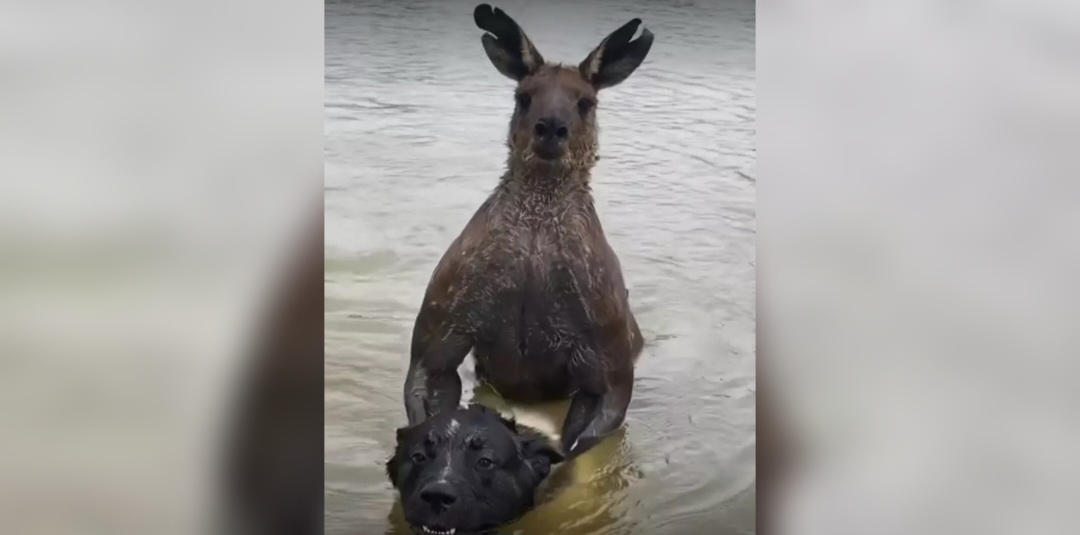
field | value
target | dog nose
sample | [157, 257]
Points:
[439, 494]
[551, 127]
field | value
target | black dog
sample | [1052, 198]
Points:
[468, 470]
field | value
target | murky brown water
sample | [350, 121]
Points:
[415, 125]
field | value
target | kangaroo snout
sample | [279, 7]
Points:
[549, 137]
[551, 127]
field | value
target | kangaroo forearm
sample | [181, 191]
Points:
[591, 418]
[582, 412]
[429, 391]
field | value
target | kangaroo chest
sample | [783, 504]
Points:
[543, 266]
[535, 318]
[534, 283]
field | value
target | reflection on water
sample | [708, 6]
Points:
[415, 127]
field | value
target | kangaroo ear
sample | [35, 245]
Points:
[617, 57]
[506, 44]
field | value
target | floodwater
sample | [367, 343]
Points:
[416, 119]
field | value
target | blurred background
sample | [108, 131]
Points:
[416, 122]
[160, 171]
[918, 261]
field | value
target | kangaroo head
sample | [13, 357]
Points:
[554, 122]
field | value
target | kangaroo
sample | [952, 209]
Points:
[531, 285]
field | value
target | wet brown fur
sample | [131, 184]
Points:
[531, 285]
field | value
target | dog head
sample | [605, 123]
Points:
[468, 470]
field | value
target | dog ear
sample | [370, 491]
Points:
[393, 464]
[540, 453]
[404, 434]
[510, 423]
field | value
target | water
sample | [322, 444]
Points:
[416, 119]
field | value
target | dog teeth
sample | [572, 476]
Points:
[439, 532]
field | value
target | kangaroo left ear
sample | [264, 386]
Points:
[617, 57]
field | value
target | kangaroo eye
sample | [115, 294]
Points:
[585, 104]
[484, 462]
[418, 458]
[523, 101]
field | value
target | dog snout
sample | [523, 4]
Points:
[439, 495]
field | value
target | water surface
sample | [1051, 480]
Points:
[416, 119]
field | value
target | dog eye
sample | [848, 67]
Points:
[418, 458]
[484, 462]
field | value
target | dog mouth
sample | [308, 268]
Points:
[438, 530]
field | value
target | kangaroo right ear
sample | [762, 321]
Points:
[506, 44]
[617, 56]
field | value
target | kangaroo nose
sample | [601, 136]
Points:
[439, 495]
[551, 127]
